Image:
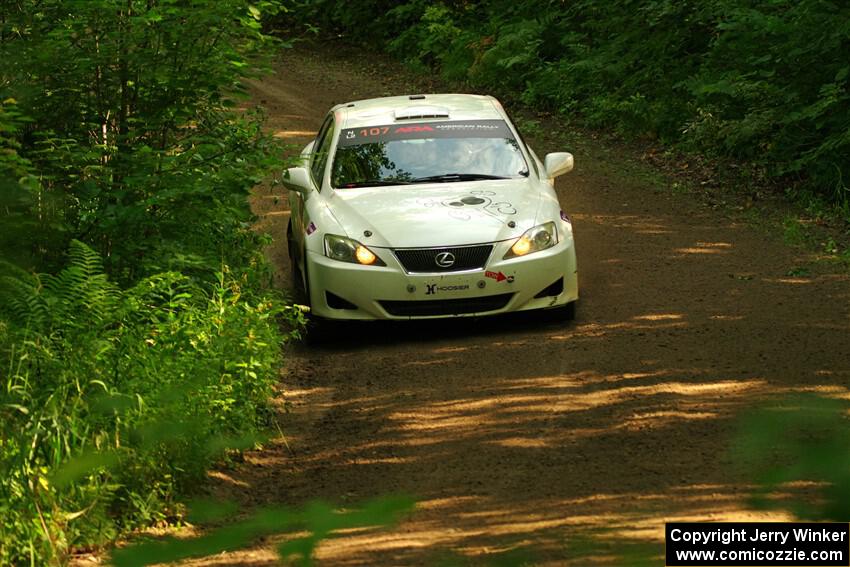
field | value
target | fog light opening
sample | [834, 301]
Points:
[554, 289]
[336, 302]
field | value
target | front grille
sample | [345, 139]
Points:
[446, 306]
[424, 260]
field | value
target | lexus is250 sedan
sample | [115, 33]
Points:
[428, 206]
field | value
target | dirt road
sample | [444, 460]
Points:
[516, 433]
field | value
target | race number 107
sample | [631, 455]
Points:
[365, 132]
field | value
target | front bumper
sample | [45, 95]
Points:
[340, 290]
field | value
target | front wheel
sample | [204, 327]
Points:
[300, 289]
[564, 313]
[319, 330]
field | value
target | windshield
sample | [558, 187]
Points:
[426, 152]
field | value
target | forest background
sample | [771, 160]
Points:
[140, 338]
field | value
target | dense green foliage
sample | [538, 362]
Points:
[115, 400]
[765, 81]
[138, 336]
[129, 130]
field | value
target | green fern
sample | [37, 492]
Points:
[21, 303]
[80, 295]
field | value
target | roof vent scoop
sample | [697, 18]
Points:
[417, 97]
[412, 112]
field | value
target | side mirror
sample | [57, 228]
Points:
[297, 179]
[558, 163]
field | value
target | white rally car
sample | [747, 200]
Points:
[428, 206]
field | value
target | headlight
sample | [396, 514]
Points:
[348, 250]
[535, 239]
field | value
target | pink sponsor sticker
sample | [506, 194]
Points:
[311, 228]
[566, 217]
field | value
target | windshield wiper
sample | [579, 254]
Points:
[451, 177]
[372, 183]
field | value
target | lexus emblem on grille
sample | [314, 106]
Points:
[445, 259]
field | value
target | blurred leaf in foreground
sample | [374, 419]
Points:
[806, 438]
[317, 518]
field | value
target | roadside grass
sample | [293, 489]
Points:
[798, 218]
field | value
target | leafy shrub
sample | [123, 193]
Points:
[134, 134]
[132, 364]
[775, 82]
[436, 42]
[116, 400]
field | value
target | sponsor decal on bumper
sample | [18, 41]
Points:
[499, 277]
[432, 289]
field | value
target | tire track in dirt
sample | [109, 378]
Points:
[520, 433]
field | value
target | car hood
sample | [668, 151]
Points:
[437, 214]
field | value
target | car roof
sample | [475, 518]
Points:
[413, 108]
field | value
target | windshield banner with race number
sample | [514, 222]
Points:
[423, 130]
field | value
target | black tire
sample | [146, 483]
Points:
[300, 294]
[319, 330]
[564, 313]
[289, 240]
[314, 331]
